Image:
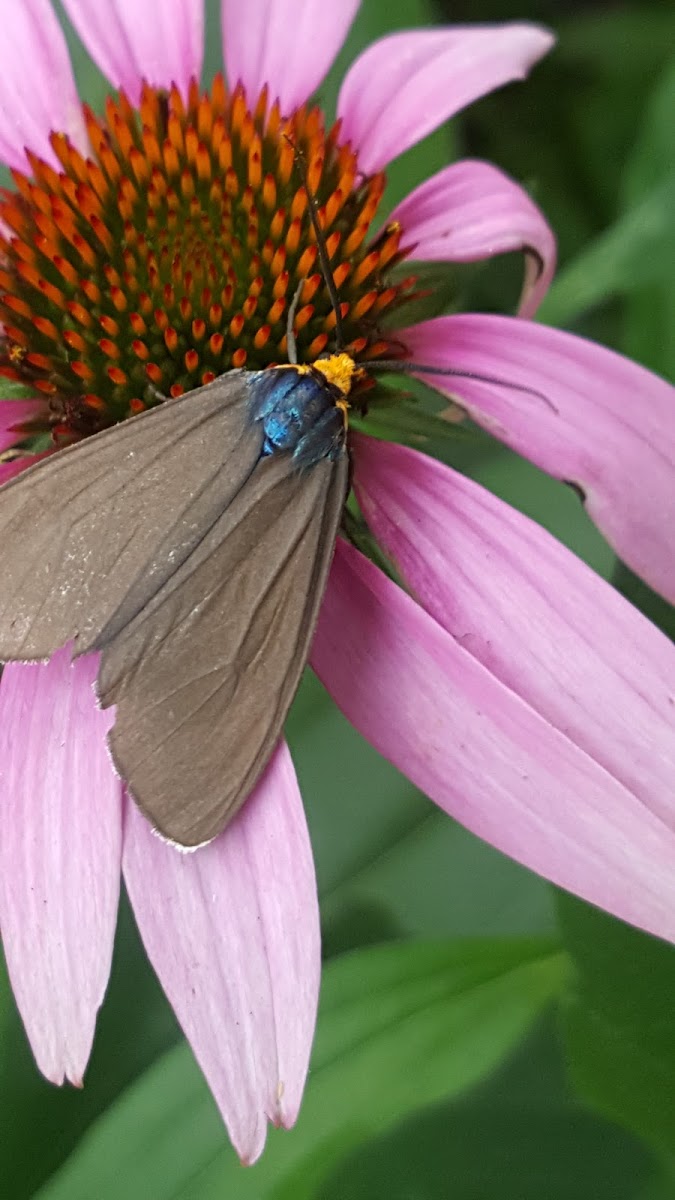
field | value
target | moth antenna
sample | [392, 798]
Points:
[291, 345]
[320, 244]
[397, 366]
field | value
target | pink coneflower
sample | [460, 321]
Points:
[510, 683]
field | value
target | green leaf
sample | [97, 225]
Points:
[629, 45]
[650, 311]
[653, 156]
[11, 390]
[620, 1022]
[403, 419]
[519, 1135]
[649, 320]
[629, 255]
[636, 256]
[400, 1027]
[660, 1189]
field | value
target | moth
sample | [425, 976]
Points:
[190, 546]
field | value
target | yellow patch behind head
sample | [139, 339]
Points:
[340, 370]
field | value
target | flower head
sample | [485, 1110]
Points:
[150, 250]
[170, 254]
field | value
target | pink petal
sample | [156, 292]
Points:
[232, 931]
[159, 41]
[606, 425]
[9, 469]
[483, 754]
[407, 84]
[37, 89]
[289, 45]
[531, 612]
[15, 412]
[60, 847]
[471, 211]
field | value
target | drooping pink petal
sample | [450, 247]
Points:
[605, 424]
[15, 412]
[471, 211]
[407, 84]
[287, 44]
[232, 930]
[159, 41]
[37, 89]
[60, 848]
[531, 612]
[483, 754]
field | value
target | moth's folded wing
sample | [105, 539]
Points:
[204, 676]
[122, 508]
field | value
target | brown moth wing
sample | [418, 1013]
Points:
[204, 676]
[118, 510]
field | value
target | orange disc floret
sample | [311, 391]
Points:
[173, 252]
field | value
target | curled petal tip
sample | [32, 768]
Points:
[406, 84]
[608, 424]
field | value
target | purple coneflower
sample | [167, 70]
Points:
[160, 245]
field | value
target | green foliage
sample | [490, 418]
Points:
[620, 1024]
[415, 1093]
[635, 257]
[518, 1136]
[626, 257]
[11, 390]
[649, 316]
[439, 1014]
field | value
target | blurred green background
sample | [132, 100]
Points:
[534, 1057]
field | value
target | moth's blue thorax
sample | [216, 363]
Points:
[303, 409]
